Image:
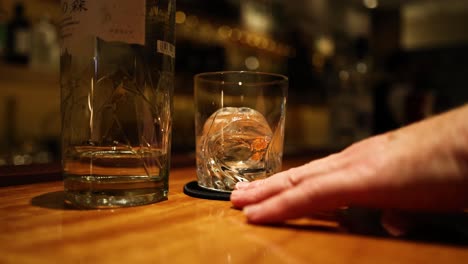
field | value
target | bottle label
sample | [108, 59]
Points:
[22, 42]
[110, 20]
[165, 48]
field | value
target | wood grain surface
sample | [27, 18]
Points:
[36, 227]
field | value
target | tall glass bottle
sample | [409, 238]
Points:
[3, 32]
[117, 74]
[18, 46]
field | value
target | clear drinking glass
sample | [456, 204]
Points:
[239, 127]
[117, 78]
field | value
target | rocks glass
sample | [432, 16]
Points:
[239, 126]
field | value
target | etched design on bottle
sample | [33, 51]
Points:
[116, 101]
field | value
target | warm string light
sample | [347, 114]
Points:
[192, 25]
[371, 4]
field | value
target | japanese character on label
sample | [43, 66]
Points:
[79, 5]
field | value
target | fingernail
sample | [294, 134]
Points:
[242, 185]
[234, 195]
[396, 224]
[250, 210]
[394, 230]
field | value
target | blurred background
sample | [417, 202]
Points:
[356, 67]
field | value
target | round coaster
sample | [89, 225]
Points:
[192, 189]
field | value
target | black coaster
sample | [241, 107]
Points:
[192, 189]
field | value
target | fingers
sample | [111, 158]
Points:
[262, 189]
[321, 193]
[248, 193]
[296, 192]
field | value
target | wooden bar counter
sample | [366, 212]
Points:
[36, 227]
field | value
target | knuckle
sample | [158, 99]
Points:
[291, 178]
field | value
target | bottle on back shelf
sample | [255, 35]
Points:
[45, 49]
[3, 28]
[351, 101]
[18, 43]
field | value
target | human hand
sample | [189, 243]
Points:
[422, 167]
